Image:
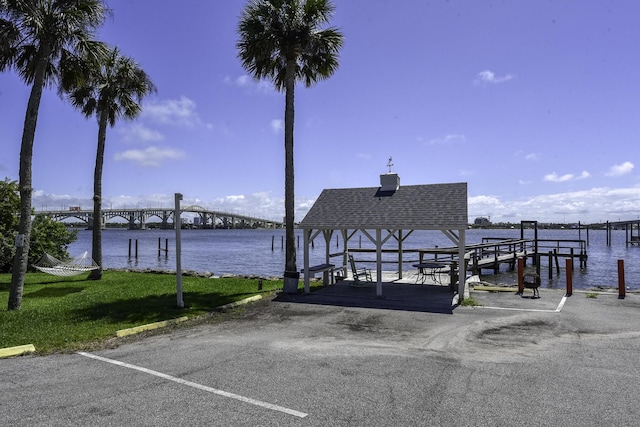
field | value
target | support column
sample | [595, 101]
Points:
[379, 262]
[462, 265]
[306, 234]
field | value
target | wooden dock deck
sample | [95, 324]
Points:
[490, 255]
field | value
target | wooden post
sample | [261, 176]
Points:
[520, 276]
[474, 255]
[555, 252]
[273, 239]
[136, 248]
[569, 265]
[571, 257]
[453, 275]
[159, 250]
[621, 284]
[129, 248]
[550, 265]
[166, 248]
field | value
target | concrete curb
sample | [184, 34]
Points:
[241, 302]
[162, 324]
[494, 288]
[149, 326]
[17, 350]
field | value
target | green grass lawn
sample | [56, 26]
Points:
[71, 313]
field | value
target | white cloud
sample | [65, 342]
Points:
[589, 206]
[253, 85]
[622, 169]
[150, 156]
[176, 112]
[554, 177]
[488, 77]
[277, 125]
[447, 139]
[138, 132]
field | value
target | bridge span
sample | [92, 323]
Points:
[138, 218]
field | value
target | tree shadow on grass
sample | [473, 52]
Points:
[154, 308]
[55, 291]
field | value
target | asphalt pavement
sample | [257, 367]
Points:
[344, 357]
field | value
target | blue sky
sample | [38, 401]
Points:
[534, 104]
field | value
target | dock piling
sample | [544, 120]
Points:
[136, 248]
[520, 275]
[569, 265]
[621, 284]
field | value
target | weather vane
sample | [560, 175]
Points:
[390, 163]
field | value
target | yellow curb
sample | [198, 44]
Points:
[16, 351]
[156, 325]
[494, 289]
[237, 303]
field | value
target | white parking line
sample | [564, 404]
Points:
[557, 310]
[199, 386]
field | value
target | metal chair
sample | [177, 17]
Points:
[532, 281]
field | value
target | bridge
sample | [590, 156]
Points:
[138, 218]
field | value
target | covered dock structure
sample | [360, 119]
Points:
[387, 214]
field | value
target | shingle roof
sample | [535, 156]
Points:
[411, 207]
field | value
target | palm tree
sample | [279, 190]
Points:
[36, 37]
[112, 90]
[281, 40]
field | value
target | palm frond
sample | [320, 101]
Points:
[272, 32]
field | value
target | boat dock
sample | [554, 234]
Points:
[493, 252]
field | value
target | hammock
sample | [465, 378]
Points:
[80, 264]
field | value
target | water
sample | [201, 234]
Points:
[243, 252]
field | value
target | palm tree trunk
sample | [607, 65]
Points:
[96, 243]
[289, 193]
[21, 259]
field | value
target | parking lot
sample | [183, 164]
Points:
[344, 357]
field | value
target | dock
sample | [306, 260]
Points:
[488, 256]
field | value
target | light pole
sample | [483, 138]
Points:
[177, 225]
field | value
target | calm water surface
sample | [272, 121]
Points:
[250, 252]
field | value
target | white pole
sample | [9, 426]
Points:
[306, 234]
[379, 262]
[178, 226]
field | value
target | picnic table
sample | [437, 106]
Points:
[431, 269]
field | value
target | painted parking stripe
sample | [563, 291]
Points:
[199, 386]
[557, 310]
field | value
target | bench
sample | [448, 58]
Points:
[326, 270]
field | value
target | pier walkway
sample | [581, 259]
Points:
[489, 255]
